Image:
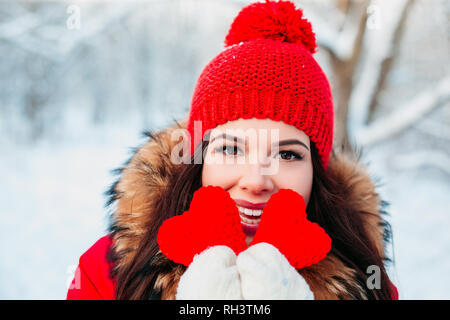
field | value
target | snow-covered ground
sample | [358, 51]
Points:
[420, 216]
[53, 206]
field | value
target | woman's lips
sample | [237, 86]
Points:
[250, 205]
[250, 214]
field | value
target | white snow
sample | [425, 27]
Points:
[53, 206]
[419, 213]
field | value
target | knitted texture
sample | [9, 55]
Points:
[266, 71]
[272, 20]
[212, 220]
[285, 226]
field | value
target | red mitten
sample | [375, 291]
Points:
[212, 220]
[284, 225]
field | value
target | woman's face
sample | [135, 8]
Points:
[243, 159]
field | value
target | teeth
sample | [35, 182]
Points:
[250, 212]
[249, 221]
[255, 214]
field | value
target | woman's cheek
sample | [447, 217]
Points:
[221, 175]
[300, 181]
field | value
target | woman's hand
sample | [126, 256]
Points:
[212, 275]
[266, 274]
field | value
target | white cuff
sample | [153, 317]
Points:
[267, 274]
[212, 275]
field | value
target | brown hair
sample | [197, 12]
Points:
[327, 207]
[138, 280]
[330, 208]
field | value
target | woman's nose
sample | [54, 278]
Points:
[254, 181]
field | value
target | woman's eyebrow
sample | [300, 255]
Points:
[291, 141]
[239, 140]
[227, 137]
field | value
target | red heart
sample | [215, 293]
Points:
[213, 219]
[284, 224]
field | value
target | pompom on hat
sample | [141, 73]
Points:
[266, 70]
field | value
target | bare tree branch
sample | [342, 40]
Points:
[19, 26]
[337, 43]
[379, 48]
[406, 115]
[388, 60]
[419, 159]
[436, 129]
[18, 31]
[343, 71]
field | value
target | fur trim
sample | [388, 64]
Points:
[142, 182]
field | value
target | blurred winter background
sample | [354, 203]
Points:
[80, 81]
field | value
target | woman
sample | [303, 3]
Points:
[263, 209]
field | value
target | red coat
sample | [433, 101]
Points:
[92, 281]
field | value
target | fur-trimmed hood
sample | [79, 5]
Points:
[145, 176]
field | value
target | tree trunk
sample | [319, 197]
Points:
[343, 72]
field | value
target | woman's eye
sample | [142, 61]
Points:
[289, 155]
[229, 150]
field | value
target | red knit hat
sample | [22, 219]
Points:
[266, 70]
